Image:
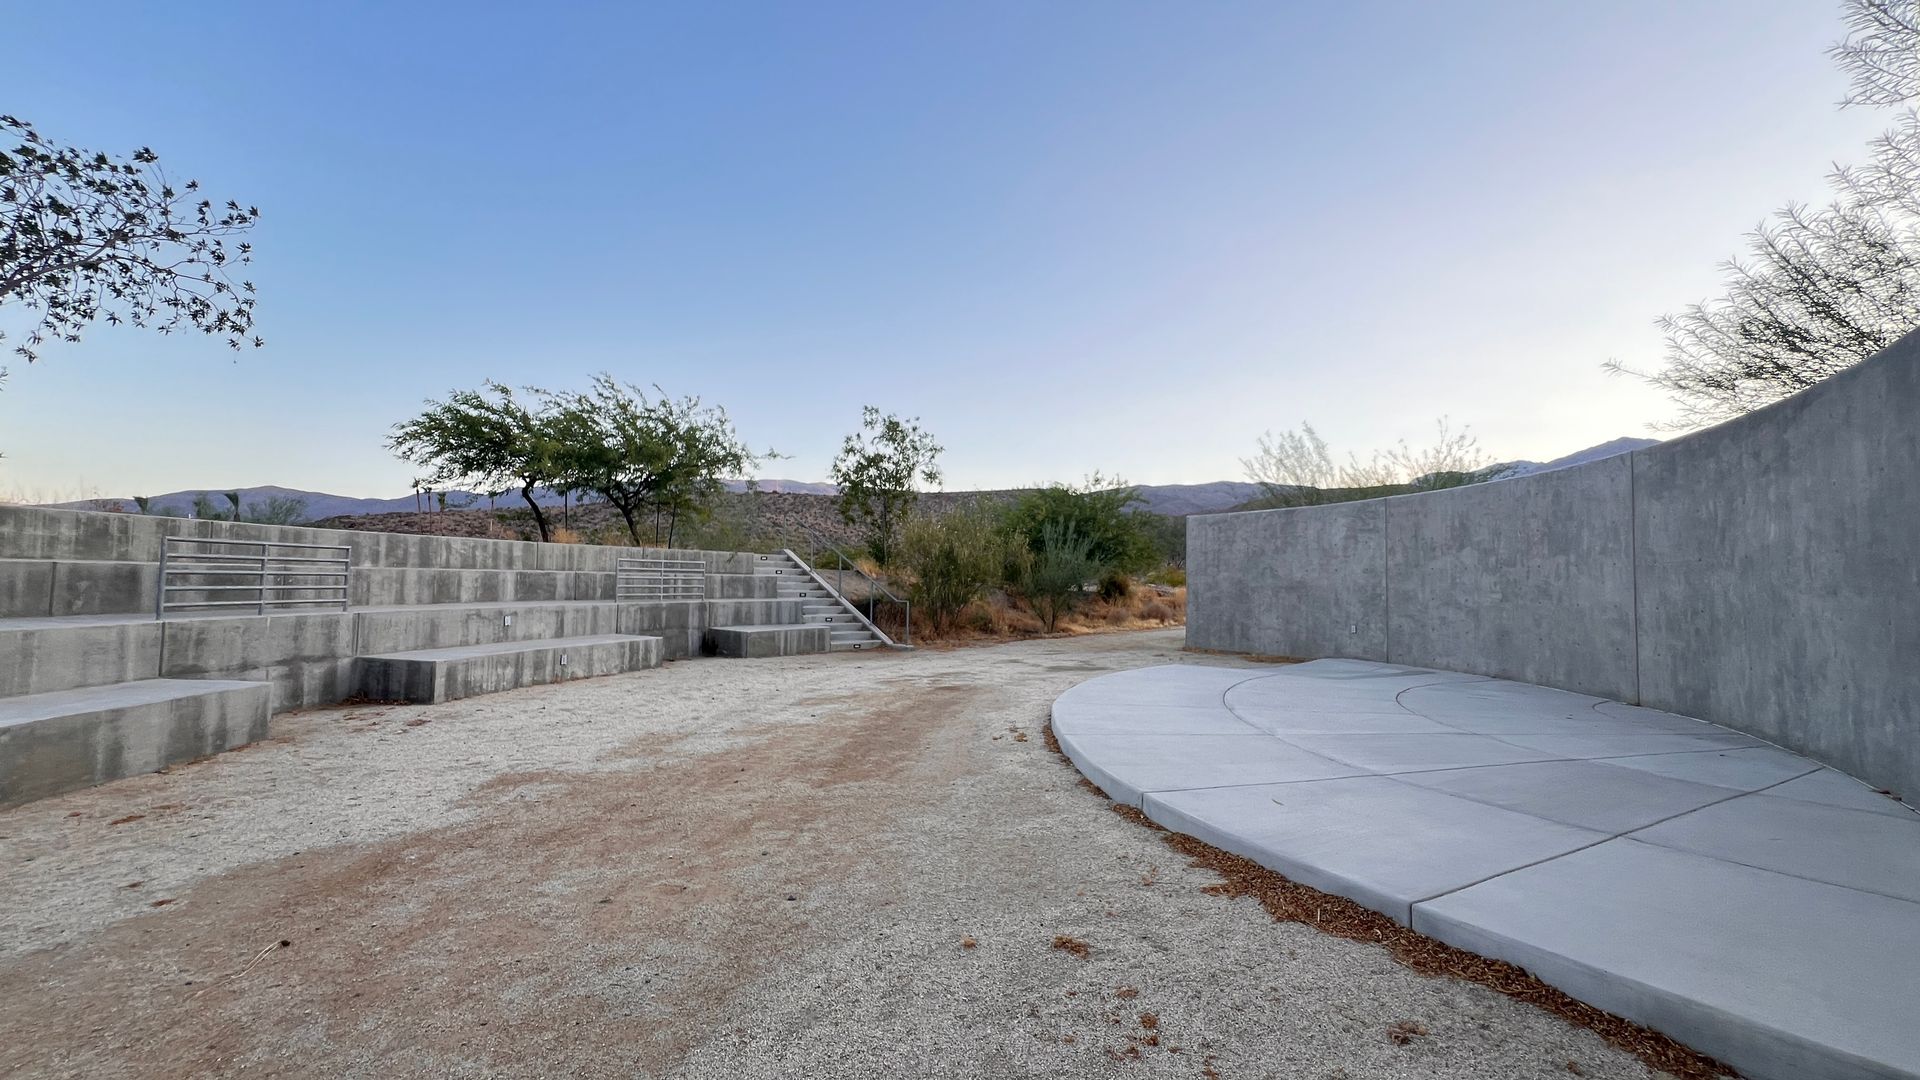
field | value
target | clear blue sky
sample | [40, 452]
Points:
[1069, 236]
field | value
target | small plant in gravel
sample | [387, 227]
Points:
[1066, 943]
[1403, 1032]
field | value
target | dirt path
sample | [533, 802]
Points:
[818, 866]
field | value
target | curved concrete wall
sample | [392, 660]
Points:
[1763, 574]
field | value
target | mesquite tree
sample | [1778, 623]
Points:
[1821, 288]
[84, 236]
[488, 439]
[879, 470]
[669, 456]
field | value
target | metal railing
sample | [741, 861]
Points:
[257, 574]
[875, 592]
[660, 579]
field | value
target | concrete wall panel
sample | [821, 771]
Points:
[308, 657]
[26, 588]
[1764, 575]
[1780, 572]
[1528, 579]
[1303, 582]
[41, 656]
[103, 587]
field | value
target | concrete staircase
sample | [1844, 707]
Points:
[820, 606]
[94, 687]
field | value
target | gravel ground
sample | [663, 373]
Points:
[849, 865]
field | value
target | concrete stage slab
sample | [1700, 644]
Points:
[1745, 900]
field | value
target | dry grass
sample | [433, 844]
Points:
[1003, 618]
[1287, 900]
[1256, 658]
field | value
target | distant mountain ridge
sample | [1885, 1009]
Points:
[1626, 444]
[1171, 499]
[321, 504]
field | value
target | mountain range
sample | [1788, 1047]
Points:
[1172, 499]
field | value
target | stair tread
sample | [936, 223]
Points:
[28, 708]
[461, 652]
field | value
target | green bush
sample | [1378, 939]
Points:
[1052, 580]
[1173, 577]
[1167, 534]
[1096, 513]
[952, 560]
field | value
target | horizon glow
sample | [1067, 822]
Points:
[1070, 238]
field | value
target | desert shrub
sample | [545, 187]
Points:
[1166, 534]
[1052, 579]
[1155, 611]
[563, 535]
[952, 561]
[1115, 585]
[1096, 512]
[278, 510]
[1171, 576]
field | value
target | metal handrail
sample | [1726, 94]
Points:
[839, 587]
[660, 579]
[273, 573]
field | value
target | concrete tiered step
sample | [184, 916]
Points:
[429, 676]
[819, 606]
[757, 642]
[70, 739]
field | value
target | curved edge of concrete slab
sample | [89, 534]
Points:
[1749, 903]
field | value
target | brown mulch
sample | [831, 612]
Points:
[1289, 901]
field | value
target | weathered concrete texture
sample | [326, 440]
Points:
[1529, 579]
[308, 657]
[1762, 574]
[1780, 571]
[402, 629]
[753, 642]
[1302, 582]
[742, 587]
[26, 588]
[384, 586]
[37, 588]
[754, 612]
[71, 739]
[39, 656]
[1745, 900]
[103, 587]
[430, 676]
[28, 532]
[108, 562]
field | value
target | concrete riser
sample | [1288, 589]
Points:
[37, 588]
[28, 532]
[752, 612]
[767, 641]
[38, 661]
[84, 749]
[742, 587]
[309, 657]
[427, 682]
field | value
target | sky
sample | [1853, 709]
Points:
[1068, 236]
